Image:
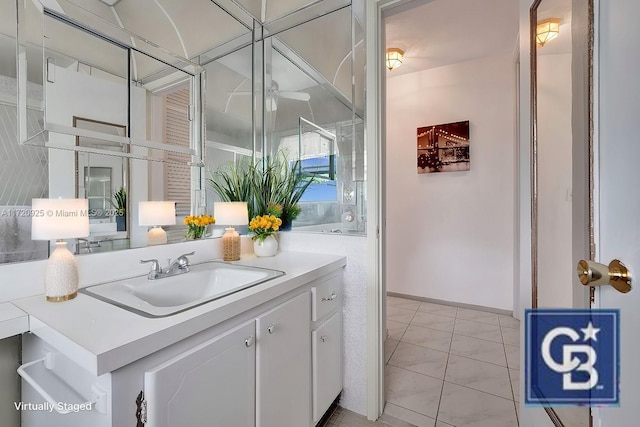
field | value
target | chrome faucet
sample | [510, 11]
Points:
[89, 245]
[179, 266]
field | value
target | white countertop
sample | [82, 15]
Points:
[102, 337]
[13, 321]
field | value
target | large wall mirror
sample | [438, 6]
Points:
[107, 97]
[561, 46]
[85, 65]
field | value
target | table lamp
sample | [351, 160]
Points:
[60, 219]
[155, 215]
[230, 214]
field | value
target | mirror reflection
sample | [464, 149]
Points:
[82, 59]
[103, 180]
[118, 104]
[561, 126]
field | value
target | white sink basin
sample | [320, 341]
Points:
[163, 297]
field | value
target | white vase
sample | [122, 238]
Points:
[266, 247]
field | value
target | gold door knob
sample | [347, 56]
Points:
[616, 274]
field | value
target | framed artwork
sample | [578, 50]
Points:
[443, 148]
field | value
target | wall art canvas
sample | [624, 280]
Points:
[443, 148]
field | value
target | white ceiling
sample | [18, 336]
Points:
[444, 32]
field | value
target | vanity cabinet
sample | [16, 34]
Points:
[272, 366]
[283, 365]
[257, 374]
[327, 364]
[326, 342]
[213, 381]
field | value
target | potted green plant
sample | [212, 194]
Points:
[280, 182]
[271, 186]
[119, 202]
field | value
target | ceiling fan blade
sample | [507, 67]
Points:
[298, 96]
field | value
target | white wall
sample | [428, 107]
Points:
[555, 258]
[450, 236]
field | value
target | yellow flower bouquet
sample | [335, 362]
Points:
[197, 225]
[264, 226]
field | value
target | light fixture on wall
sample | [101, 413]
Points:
[230, 214]
[547, 30]
[394, 58]
[58, 219]
[154, 215]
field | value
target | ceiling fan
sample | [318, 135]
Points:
[274, 93]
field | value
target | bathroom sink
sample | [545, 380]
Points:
[163, 297]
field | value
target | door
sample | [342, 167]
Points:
[283, 365]
[210, 385]
[618, 176]
[326, 344]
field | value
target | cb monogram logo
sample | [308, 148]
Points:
[569, 362]
[571, 357]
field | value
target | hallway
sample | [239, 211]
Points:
[454, 365]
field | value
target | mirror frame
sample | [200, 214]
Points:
[533, 50]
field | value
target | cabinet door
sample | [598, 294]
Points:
[211, 385]
[327, 364]
[283, 363]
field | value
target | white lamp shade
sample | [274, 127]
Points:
[231, 213]
[59, 218]
[156, 213]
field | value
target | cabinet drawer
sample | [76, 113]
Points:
[327, 364]
[326, 297]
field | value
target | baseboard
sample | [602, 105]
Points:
[452, 304]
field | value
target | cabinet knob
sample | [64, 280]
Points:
[271, 328]
[330, 297]
[323, 338]
[249, 341]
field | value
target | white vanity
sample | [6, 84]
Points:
[266, 356]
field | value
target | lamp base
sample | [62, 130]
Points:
[230, 245]
[61, 275]
[156, 236]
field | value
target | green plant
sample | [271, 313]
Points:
[271, 186]
[234, 182]
[120, 201]
[280, 182]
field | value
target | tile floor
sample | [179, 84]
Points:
[449, 366]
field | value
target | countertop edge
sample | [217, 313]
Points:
[13, 321]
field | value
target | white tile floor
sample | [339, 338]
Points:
[449, 366]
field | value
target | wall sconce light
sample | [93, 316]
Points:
[154, 215]
[60, 219]
[231, 213]
[394, 58]
[547, 30]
